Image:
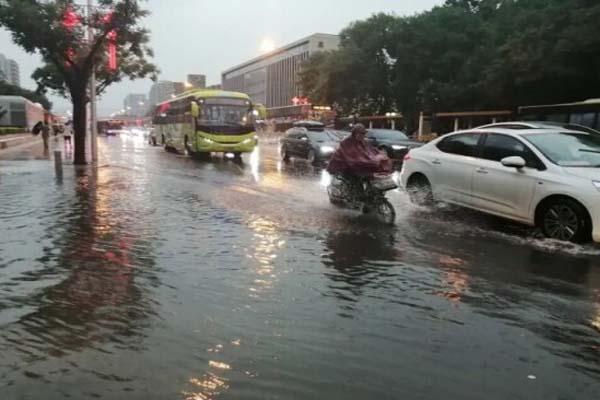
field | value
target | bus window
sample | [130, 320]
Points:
[586, 119]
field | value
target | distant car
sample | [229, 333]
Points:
[339, 133]
[310, 125]
[548, 178]
[114, 132]
[152, 137]
[540, 125]
[395, 143]
[310, 143]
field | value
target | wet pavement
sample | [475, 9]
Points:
[156, 276]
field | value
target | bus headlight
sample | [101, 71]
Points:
[327, 149]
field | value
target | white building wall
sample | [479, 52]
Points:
[272, 79]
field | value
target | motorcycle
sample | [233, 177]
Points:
[366, 194]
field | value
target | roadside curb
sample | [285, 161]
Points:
[15, 141]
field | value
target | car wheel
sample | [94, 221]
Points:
[419, 191]
[284, 154]
[311, 157]
[566, 220]
[386, 151]
[186, 146]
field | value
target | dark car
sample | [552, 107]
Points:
[395, 143]
[308, 141]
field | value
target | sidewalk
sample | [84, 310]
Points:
[15, 139]
[29, 147]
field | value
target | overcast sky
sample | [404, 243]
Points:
[209, 36]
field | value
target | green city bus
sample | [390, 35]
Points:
[199, 122]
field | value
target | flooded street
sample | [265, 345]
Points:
[157, 276]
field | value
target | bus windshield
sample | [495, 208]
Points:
[225, 112]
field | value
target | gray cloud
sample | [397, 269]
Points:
[208, 36]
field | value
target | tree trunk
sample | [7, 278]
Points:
[79, 126]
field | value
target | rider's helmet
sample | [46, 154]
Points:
[358, 129]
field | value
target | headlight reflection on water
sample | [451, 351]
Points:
[325, 179]
[254, 162]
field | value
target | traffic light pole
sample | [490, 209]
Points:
[93, 116]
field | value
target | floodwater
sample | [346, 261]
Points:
[156, 276]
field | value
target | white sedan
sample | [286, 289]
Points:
[548, 178]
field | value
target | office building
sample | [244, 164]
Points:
[135, 105]
[272, 79]
[164, 90]
[9, 71]
[196, 81]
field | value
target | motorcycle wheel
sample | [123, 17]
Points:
[385, 212]
[334, 195]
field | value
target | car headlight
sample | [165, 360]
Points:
[397, 147]
[207, 140]
[327, 149]
[597, 184]
[247, 140]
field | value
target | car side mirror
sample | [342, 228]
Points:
[514, 162]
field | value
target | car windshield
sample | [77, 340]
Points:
[388, 134]
[568, 149]
[323, 136]
[225, 112]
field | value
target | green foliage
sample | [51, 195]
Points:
[7, 89]
[9, 130]
[70, 58]
[464, 55]
[36, 26]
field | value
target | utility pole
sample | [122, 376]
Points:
[93, 117]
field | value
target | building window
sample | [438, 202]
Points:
[321, 45]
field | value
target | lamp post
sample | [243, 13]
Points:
[93, 117]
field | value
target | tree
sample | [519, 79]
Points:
[463, 55]
[6, 89]
[57, 30]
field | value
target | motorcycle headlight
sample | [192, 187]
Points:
[597, 184]
[397, 147]
[327, 149]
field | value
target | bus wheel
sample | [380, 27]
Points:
[186, 146]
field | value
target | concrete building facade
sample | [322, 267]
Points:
[197, 81]
[272, 79]
[9, 71]
[163, 90]
[135, 104]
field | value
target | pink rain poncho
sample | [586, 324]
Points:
[358, 157]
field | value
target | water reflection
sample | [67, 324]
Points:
[360, 259]
[549, 294]
[265, 247]
[98, 261]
